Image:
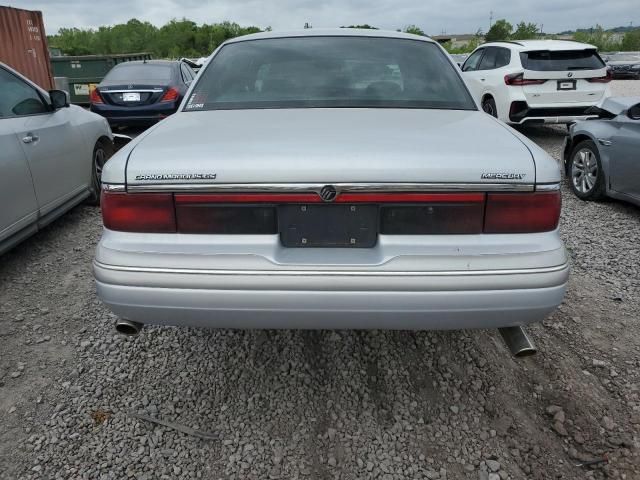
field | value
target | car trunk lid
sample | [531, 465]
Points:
[329, 146]
[132, 95]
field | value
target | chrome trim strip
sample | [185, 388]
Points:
[340, 273]
[135, 90]
[547, 187]
[114, 187]
[340, 187]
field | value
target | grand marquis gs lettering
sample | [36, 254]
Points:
[178, 176]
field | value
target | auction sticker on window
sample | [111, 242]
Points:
[196, 101]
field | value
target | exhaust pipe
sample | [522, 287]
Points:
[127, 327]
[518, 341]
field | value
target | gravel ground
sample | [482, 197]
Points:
[321, 404]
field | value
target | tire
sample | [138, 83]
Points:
[489, 107]
[101, 153]
[584, 172]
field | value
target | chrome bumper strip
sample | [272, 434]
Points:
[340, 187]
[547, 187]
[342, 273]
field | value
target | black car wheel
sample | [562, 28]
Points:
[585, 174]
[101, 153]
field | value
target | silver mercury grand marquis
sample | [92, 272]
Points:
[330, 179]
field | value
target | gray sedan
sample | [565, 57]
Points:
[51, 156]
[602, 156]
[331, 179]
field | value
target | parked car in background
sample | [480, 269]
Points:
[624, 65]
[537, 81]
[331, 179]
[51, 159]
[602, 157]
[141, 93]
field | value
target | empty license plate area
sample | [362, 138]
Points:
[328, 225]
[131, 97]
[566, 84]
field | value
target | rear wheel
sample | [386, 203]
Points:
[586, 177]
[101, 153]
[489, 106]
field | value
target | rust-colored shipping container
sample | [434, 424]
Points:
[23, 45]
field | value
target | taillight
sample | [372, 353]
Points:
[399, 213]
[522, 212]
[517, 79]
[432, 219]
[170, 95]
[605, 79]
[144, 212]
[94, 96]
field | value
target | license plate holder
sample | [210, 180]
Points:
[346, 226]
[131, 97]
[566, 84]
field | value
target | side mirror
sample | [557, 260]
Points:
[59, 99]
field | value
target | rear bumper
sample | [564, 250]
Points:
[135, 116]
[331, 300]
[553, 115]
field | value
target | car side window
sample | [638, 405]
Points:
[503, 57]
[489, 59]
[473, 61]
[19, 98]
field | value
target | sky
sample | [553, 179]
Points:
[433, 16]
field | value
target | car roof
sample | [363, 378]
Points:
[331, 32]
[552, 45]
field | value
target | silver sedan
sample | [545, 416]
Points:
[331, 179]
[601, 156]
[51, 156]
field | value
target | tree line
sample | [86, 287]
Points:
[605, 40]
[185, 38]
[178, 38]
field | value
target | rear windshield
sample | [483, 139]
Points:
[308, 72]
[139, 73]
[560, 61]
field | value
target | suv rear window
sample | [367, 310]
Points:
[330, 72]
[561, 60]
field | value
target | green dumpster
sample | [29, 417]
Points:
[86, 71]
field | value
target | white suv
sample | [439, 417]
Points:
[537, 81]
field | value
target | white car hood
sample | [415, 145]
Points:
[329, 146]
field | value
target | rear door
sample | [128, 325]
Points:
[572, 77]
[624, 157]
[491, 75]
[18, 205]
[472, 75]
